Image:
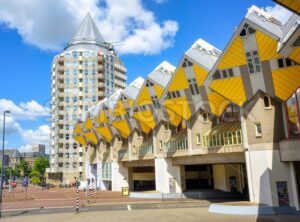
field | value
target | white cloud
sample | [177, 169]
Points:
[26, 148]
[38, 136]
[279, 13]
[49, 24]
[27, 110]
[30, 110]
[11, 126]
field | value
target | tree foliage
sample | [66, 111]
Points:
[35, 177]
[40, 165]
[24, 167]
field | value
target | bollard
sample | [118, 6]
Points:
[4, 190]
[77, 199]
[88, 191]
[93, 190]
[77, 195]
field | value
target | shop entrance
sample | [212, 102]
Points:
[199, 177]
[143, 178]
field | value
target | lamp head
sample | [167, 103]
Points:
[6, 111]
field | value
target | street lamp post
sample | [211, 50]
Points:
[2, 164]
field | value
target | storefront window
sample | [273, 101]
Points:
[293, 107]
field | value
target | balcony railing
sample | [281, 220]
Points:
[123, 153]
[146, 150]
[177, 143]
[224, 134]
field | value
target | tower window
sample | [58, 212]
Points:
[193, 86]
[258, 130]
[267, 102]
[198, 139]
[167, 127]
[139, 134]
[205, 117]
[253, 62]
[216, 75]
[285, 62]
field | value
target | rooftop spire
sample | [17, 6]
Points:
[87, 33]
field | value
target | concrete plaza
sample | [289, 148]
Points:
[145, 215]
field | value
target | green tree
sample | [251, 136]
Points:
[40, 165]
[24, 167]
[35, 177]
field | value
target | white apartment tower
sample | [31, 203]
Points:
[87, 71]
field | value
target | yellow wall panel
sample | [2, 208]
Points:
[105, 132]
[217, 103]
[174, 118]
[144, 97]
[119, 108]
[267, 46]
[200, 74]
[91, 136]
[179, 81]
[77, 128]
[88, 123]
[234, 55]
[231, 88]
[145, 128]
[180, 106]
[122, 126]
[286, 81]
[145, 117]
[159, 90]
[295, 55]
[80, 140]
[123, 135]
[292, 4]
[130, 103]
[102, 118]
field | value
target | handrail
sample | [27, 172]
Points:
[176, 145]
[146, 150]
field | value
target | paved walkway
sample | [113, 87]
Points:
[61, 197]
[162, 215]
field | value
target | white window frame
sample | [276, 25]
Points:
[203, 119]
[269, 99]
[258, 134]
[252, 57]
[198, 137]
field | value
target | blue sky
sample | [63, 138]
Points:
[29, 39]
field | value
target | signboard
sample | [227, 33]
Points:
[125, 191]
[282, 193]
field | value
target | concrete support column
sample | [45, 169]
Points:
[189, 137]
[119, 176]
[166, 174]
[294, 186]
[265, 171]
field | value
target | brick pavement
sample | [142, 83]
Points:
[59, 197]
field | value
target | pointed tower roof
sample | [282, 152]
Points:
[87, 33]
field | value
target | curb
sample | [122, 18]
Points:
[251, 210]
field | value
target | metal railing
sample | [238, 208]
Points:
[181, 144]
[146, 150]
[223, 139]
